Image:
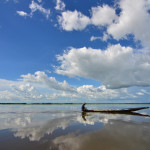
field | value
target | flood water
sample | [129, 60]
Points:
[64, 127]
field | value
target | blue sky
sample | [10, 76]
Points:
[74, 51]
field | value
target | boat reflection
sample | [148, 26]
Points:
[85, 114]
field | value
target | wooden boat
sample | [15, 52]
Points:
[113, 110]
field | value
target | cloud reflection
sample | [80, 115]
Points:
[70, 126]
[116, 135]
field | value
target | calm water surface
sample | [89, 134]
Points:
[64, 127]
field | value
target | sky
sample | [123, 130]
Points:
[75, 51]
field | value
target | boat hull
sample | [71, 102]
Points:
[117, 110]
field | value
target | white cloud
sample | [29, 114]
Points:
[140, 93]
[135, 22]
[41, 87]
[5, 84]
[7, 95]
[20, 90]
[100, 92]
[134, 19]
[85, 91]
[102, 16]
[115, 67]
[73, 20]
[104, 38]
[27, 91]
[41, 77]
[93, 38]
[35, 6]
[22, 13]
[60, 5]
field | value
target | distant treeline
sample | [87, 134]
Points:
[64, 103]
[38, 103]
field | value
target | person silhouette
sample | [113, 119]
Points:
[83, 107]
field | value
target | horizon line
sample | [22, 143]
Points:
[62, 103]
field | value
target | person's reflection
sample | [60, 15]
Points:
[83, 115]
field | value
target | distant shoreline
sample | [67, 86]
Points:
[64, 103]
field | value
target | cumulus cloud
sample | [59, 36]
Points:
[134, 19]
[39, 86]
[41, 77]
[20, 90]
[102, 16]
[104, 38]
[98, 92]
[86, 91]
[119, 26]
[60, 5]
[68, 91]
[73, 20]
[93, 38]
[27, 91]
[22, 13]
[6, 92]
[115, 67]
[7, 95]
[35, 7]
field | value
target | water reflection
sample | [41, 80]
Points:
[73, 130]
[37, 132]
[116, 135]
[84, 114]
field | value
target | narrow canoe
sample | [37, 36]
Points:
[117, 110]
